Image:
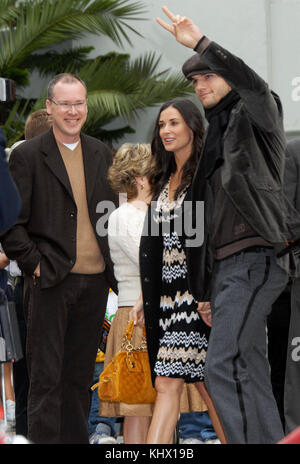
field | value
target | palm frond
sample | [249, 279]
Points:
[8, 12]
[117, 86]
[53, 62]
[155, 91]
[14, 124]
[145, 66]
[111, 137]
[42, 23]
[134, 86]
[19, 75]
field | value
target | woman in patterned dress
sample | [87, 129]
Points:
[176, 335]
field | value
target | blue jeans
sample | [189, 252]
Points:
[196, 425]
[94, 418]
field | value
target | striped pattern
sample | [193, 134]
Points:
[183, 335]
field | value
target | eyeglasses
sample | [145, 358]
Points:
[67, 106]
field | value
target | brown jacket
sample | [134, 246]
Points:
[46, 228]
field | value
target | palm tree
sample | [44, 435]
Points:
[31, 25]
[116, 85]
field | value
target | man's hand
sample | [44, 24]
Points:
[205, 312]
[4, 261]
[37, 272]
[184, 29]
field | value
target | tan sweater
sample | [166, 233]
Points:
[89, 259]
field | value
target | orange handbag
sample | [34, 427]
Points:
[127, 378]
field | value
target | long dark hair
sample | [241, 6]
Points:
[165, 160]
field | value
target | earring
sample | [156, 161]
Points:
[142, 186]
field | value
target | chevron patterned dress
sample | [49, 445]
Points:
[183, 334]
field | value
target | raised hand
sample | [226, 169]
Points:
[184, 29]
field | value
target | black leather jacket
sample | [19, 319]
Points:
[253, 168]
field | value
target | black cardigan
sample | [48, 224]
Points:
[151, 250]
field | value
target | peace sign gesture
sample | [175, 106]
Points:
[184, 29]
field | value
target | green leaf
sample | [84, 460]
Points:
[118, 87]
[53, 62]
[42, 23]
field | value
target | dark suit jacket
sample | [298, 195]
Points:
[46, 228]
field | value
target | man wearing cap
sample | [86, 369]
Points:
[240, 179]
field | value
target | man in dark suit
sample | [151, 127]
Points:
[60, 244]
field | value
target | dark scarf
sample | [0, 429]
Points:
[218, 118]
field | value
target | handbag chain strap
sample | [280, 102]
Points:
[128, 347]
[126, 344]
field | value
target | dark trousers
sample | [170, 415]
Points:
[63, 331]
[292, 373]
[21, 381]
[236, 368]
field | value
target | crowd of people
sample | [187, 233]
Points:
[201, 250]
